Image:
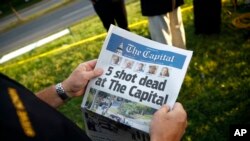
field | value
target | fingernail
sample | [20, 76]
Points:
[99, 70]
[168, 107]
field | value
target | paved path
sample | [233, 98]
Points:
[25, 13]
[45, 25]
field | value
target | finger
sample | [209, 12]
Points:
[92, 63]
[87, 66]
[178, 106]
[92, 74]
[178, 109]
[164, 108]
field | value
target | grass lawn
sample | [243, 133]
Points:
[215, 91]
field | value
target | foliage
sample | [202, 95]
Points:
[215, 91]
[131, 108]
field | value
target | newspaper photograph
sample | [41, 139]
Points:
[140, 75]
[100, 128]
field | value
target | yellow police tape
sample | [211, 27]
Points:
[57, 50]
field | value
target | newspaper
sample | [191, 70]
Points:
[140, 75]
[100, 128]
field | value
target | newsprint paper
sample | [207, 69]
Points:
[140, 75]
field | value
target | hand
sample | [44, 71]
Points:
[75, 84]
[168, 125]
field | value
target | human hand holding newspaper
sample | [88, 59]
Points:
[139, 77]
[174, 123]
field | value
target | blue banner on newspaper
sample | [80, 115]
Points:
[133, 50]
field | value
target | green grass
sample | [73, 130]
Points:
[215, 91]
[146, 117]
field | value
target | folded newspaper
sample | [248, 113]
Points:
[140, 75]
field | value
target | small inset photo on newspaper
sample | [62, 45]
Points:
[140, 67]
[119, 109]
[164, 72]
[115, 60]
[107, 129]
[128, 64]
[152, 69]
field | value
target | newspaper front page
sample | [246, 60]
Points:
[140, 75]
[100, 128]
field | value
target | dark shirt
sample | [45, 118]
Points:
[24, 117]
[159, 7]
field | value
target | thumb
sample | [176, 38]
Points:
[164, 108]
[92, 74]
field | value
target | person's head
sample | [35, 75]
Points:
[152, 69]
[128, 64]
[140, 66]
[164, 72]
[115, 59]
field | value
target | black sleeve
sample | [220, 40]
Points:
[24, 117]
